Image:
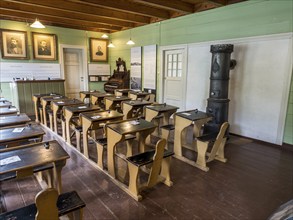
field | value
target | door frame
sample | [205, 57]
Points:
[83, 60]
[163, 49]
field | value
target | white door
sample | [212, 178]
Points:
[174, 78]
[73, 72]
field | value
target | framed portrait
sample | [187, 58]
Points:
[44, 46]
[98, 50]
[14, 44]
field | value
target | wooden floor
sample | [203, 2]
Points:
[255, 181]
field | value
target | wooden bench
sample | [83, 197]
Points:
[165, 132]
[217, 152]
[15, 174]
[159, 159]
[48, 206]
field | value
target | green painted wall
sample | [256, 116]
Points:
[246, 19]
[64, 36]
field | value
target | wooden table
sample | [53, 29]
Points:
[129, 106]
[10, 138]
[155, 110]
[92, 120]
[98, 98]
[121, 92]
[111, 102]
[87, 94]
[10, 120]
[46, 101]
[57, 105]
[34, 155]
[134, 95]
[5, 104]
[182, 121]
[8, 110]
[37, 102]
[116, 133]
[70, 111]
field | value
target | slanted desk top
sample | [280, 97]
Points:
[118, 98]
[8, 110]
[10, 134]
[161, 107]
[81, 108]
[4, 104]
[138, 102]
[131, 126]
[67, 102]
[101, 95]
[193, 115]
[10, 120]
[3, 99]
[38, 95]
[98, 116]
[32, 155]
[87, 93]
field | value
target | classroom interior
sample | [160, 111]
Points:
[98, 132]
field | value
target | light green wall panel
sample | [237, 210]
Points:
[64, 36]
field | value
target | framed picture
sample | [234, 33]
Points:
[14, 44]
[98, 50]
[44, 46]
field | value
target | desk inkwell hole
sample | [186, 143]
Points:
[29, 125]
[47, 145]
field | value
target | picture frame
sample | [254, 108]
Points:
[14, 44]
[98, 50]
[44, 46]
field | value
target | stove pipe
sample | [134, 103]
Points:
[218, 102]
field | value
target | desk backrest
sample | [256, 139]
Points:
[46, 202]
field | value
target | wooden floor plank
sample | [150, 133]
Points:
[255, 181]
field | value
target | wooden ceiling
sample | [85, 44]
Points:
[103, 15]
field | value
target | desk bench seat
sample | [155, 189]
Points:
[208, 137]
[217, 151]
[160, 160]
[13, 175]
[66, 203]
[146, 157]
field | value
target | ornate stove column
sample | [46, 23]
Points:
[218, 102]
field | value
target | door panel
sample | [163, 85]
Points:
[73, 72]
[174, 78]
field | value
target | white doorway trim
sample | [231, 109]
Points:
[162, 54]
[84, 62]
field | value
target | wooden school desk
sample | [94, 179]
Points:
[93, 120]
[27, 157]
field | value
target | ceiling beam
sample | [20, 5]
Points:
[218, 2]
[174, 5]
[87, 9]
[129, 7]
[72, 26]
[50, 19]
[62, 14]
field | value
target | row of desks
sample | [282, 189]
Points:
[92, 117]
[95, 96]
[21, 157]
